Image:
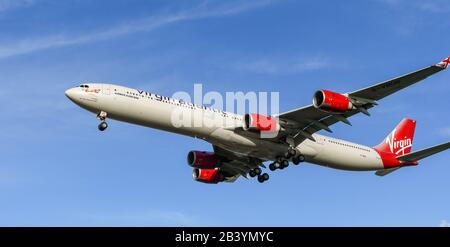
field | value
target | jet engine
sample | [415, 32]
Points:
[260, 122]
[332, 102]
[209, 176]
[202, 160]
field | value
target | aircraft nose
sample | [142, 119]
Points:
[70, 93]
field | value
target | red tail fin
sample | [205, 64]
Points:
[399, 141]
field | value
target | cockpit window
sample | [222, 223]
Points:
[84, 86]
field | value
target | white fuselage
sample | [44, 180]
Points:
[216, 127]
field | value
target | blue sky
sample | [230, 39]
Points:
[58, 170]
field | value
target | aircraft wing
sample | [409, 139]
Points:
[305, 121]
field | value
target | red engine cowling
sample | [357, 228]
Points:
[261, 123]
[203, 160]
[331, 102]
[209, 176]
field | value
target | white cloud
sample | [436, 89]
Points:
[6, 5]
[433, 6]
[390, 2]
[144, 25]
[444, 223]
[282, 66]
[414, 14]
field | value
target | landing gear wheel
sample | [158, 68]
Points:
[276, 165]
[102, 126]
[252, 173]
[292, 152]
[102, 117]
[272, 167]
[285, 163]
[258, 171]
[301, 158]
[262, 178]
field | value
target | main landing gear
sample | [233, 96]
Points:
[102, 117]
[279, 164]
[283, 161]
[258, 172]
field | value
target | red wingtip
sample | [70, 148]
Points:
[444, 63]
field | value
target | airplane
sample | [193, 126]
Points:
[240, 150]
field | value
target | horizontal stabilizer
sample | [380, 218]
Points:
[418, 155]
[386, 171]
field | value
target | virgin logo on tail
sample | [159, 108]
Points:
[399, 141]
[444, 64]
[398, 146]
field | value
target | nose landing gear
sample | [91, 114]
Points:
[102, 117]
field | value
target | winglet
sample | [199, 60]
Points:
[444, 63]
